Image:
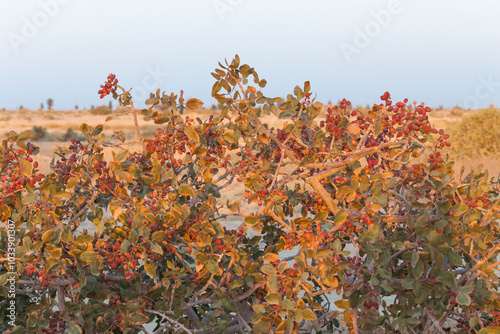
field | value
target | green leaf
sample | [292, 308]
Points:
[307, 89]
[273, 281]
[320, 216]
[186, 190]
[24, 135]
[419, 269]
[191, 133]
[29, 198]
[73, 328]
[47, 236]
[137, 318]
[262, 326]
[259, 308]
[273, 298]
[18, 330]
[407, 283]
[236, 284]
[444, 248]
[454, 258]
[84, 238]
[463, 299]
[213, 267]
[88, 256]
[56, 253]
[459, 209]
[340, 217]
[194, 104]
[414, 259]
[26, 167]
[202, 258]
[156, 248]
[158, 236]
[125, 246]
[251, 220]
[268, 269]
[138, 220]
[85, 128]
[3, 278]
[279, 199]
[152, 101]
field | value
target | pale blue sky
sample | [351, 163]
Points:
[442, 52]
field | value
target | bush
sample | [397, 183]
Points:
[425, 244]
[477, 135]
[38, 133]
[70, 134]
[101, 110]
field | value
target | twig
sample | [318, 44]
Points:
[172, 321]
[480, 263]
[279, 220]
[248, 293]
[184, 263]
[134, 113]
[491, 266]
[82, 210]
[314, 181]
[355, 320]
[434, 321]
[275, 178]
[479, 317]
[243, 322]
[205, 287]
[322, 292]
[363, 140]
[60, 295]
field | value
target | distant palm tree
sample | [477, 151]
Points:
[50, 103]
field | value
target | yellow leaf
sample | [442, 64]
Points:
[342, 304]
[353, 129]
[186, 190]
[150, 269]
[191, 133]
[194, 104]
[308, 314]
[271, 257]
[56, 253]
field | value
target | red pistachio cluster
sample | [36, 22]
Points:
[109, 86]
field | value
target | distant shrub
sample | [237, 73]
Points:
[39, 133]
[101, 110]
[457, 113]
[70, 134]
[477, 135]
